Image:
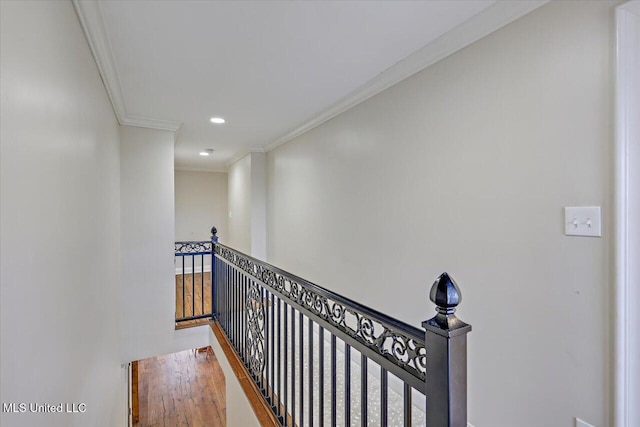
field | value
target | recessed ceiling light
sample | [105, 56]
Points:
[207, 152]
[204, 153]
[217, 120]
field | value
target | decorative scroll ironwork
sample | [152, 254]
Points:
[403, 349]
[255, 312]
[188, 248]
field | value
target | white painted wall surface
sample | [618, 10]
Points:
[200, 203]
[148, 235]
[238, 409]
[466, 167]
[59, 221]
[239, 236]
[259, 205]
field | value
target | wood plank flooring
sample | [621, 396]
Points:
[185, 389]
[195, 297]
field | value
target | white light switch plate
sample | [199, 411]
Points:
[582, 221]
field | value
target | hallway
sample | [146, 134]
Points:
[181, 389]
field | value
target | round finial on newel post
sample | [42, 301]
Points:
[214, 231]
[445, 294]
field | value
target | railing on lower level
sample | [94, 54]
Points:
[321, 359]
[194, 290]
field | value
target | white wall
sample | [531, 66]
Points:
[59, 221]
[238, 409]
[259, 205]
[247, 205]
[148, 234]
[200, 203]
[466, 167]
[239, 216]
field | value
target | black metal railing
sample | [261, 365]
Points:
[194, 290]
[319, 358]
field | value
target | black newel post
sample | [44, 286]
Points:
[446, 344]
[214, 240]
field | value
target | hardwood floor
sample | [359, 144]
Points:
[194, 297]
[181, 389]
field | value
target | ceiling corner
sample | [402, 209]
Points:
[90, 16]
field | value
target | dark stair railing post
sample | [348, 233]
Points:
[214, 240]
[446, 344]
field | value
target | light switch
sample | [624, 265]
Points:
[582, 221]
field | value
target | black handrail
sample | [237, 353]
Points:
[403, 338]
[246, 294]
[412, 331]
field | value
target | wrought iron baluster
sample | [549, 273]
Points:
[193, 285]
[334, 392]
[272, 383]
[247, 299]
[301, 367]
[227, 287]
[235, 313]
[184, 314]
[266, 338]
[238, 314]
[243, 316]
[407, 405]
[347, 385]
[236, 324]
[279, 358]
[230, 301]
[286, 365]
[384, 397]
[364, 381]
[321, 375]
[293, 366]
[310, 339]
[231, 287]
[214, 275]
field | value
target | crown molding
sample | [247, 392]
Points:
[484, 23]
[489, 20]
[188, 169]
[243, 153]
[90, 16]
[146, 122]
[238, 156]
